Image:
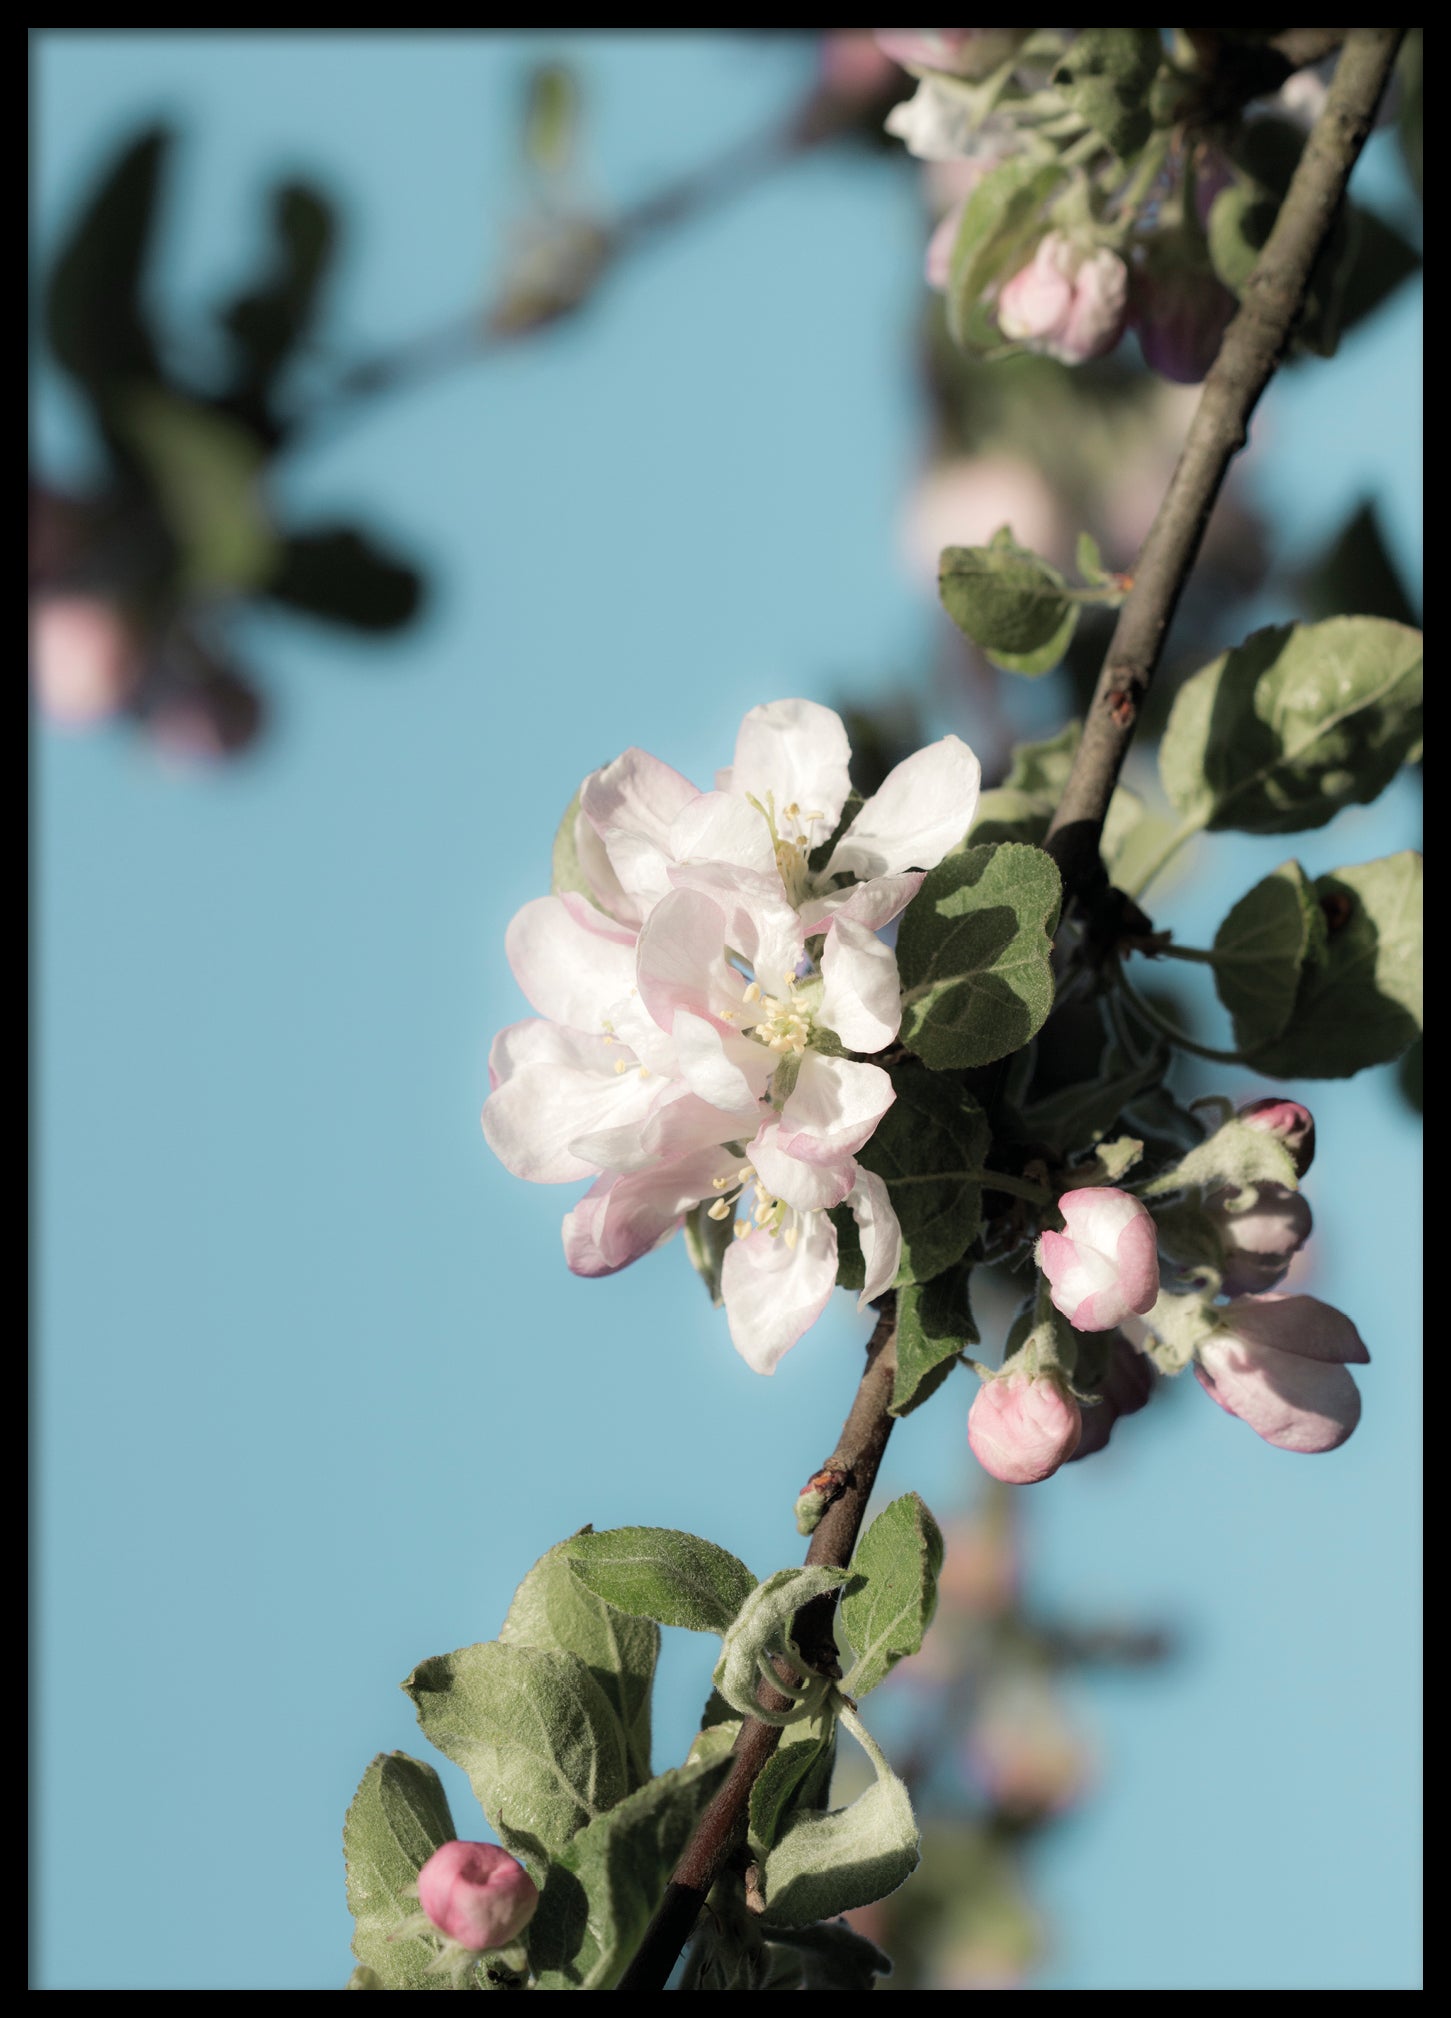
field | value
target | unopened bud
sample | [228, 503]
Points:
[1068, 302]
[1180, 308]
[820, 1491]
[1104, 1266]
[1260, 1243]
[1278, 1363]
[84, 662]
[1128, 1381]
[1022, 1429]
[477, 1895]
[1294, 1124]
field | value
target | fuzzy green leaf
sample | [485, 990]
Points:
[536, 1735]
[659, 1573]
[1360, 1003]
[790, 1778]
[553, 1612]
[1260, 950]
[761, 1628]
[975, 955]
[929, 1148]
[1106, 75]
[598, 1898]
[398, 1818]
[1298, 721]
[824, 1865]
[1009, 601]
[934, 1325]
[893, 1593]
[1235, 1155]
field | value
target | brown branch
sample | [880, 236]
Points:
[1254, 344]
[721, 1830]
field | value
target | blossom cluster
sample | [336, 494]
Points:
[710, 997]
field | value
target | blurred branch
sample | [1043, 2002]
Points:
[1253, 346]
[571, 259]
[721, 1829]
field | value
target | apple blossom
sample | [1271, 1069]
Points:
[477, 1895]
[1261, 1241]
[1105, 1263]
[969, 52]
[1279, 1364]
[939, 122]
[1021, 1428]
[84, 662]
[1069, 302]
[1294, 1124]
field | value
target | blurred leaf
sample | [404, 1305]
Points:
[95, 316]
[398, 1818]
[1378, 259]
[1410, 1076]
[1106, 75]
[267, 321]
[1356, 575]
[1001, 223]
[1413, 105]
[551, 117]
[204, 468]
[344, 577]
[1009, 601]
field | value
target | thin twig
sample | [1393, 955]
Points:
[721, 1829]
[1253, 345]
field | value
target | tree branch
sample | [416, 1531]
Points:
[721, 1829]
[1253, 345]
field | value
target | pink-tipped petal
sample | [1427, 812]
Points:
[862, 997]
[833, 1108]
[1295, 1404]
[1300, 1325]
[808, 1186]
[773, 1293]
[924, 807]
[1021, 1430]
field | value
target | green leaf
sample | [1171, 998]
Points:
[1295, 723]
[536, 1735]
[1236, 1156]
[762, 1628]
[837, 1957]
[1106, 75]
[1090, 560]
[599, 1895]
[1360, 1004]
[1001, 224]
[1080, 1113]
[1043, 767]
[975, 955]
[659, 1573]
[889, 1603]
[205, 469]
[929, 1148]
[786, 1780]
[95, 312]
[554, 1612]
[267, 322]
[1260, 950]
[343, 576]
[1007, 600]
[706, 1242]
[398, 1818]
[1241, 219]
[824, 1865]
[934, 1324]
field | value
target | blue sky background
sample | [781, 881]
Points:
[314, 1387]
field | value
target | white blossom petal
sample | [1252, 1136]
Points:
[862, 997]
[873, 904]
[809, 1187]
[721, 827]
[728, 1070]
[631, 804]
[571, 960]
[553, 1086]
[794, 753]
[924, 808]
[681, 963]
[833, 1107]
[773, 1293]
[621, 1218]
[678, 1124]
[881, 1234]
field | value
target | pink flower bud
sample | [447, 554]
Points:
[939, 248]
[1294, 1124]
[1277, 1362]
[969, 52]
[1127, 1384]
[1181, 311]
[1105, 1264]
[1023, 1751]
[1022, 1429]
[1260, 1242]
[1068, 302]
[83, 658]
[477, 1895]
[216, 717]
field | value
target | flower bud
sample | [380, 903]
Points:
[1277, 1362]
[1128, 1381]
[477, 1895]
[1023, 1751]
[1022, 1429]
[83, 658]
[1105, 1263]
[1294, 1124]
[968, 52]
[1180, 308]
[1068, 302]
[1261, 1242]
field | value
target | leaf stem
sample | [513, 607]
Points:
[1017, 1187]
[1166, 854]
[1148, 1014]
[1253, 346]
[1174, 952]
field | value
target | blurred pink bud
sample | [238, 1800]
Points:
[1105, 1264]
[962, 503]
[1022, 1429]
[1261, 1242]
[1127, 1384]
[1069, 303]
[83, 658]
[939, 248]
[968, 52]
[853, 66]
[1180, 310]
[477, 1895]
[204, 723]
[1294, 1124]
[1277, 1362]
[1024, 1753]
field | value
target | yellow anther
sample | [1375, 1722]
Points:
[742, 1228]
[720, 1183]
[644, 1072]
[622, 1065]
[720, 1210]
[753, 992]
[791, 1236]
[727, 1015]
